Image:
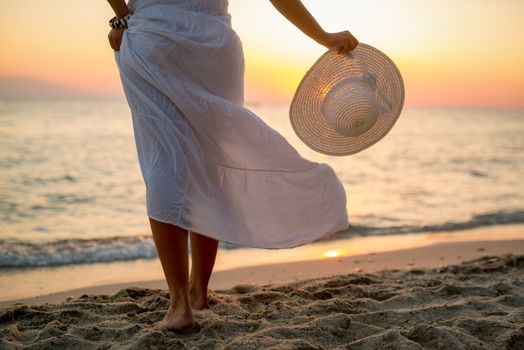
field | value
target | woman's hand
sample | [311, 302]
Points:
[115, 38]
[343, 42]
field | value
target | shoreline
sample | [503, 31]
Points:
[56, 279]
[429, 256]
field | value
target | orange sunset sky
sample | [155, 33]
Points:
[451, 53]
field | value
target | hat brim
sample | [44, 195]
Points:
[306, 108]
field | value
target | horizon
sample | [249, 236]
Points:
[415, 35]
[76, 96]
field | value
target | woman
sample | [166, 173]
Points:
[211, 167]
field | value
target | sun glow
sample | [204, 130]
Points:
[333, 253]
[450, 53]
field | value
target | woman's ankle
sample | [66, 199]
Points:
[178, 306]
[179, 299]
[196, 288]
[198, 297]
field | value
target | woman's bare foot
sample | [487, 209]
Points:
[176, 318]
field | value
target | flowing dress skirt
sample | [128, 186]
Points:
[209, 164]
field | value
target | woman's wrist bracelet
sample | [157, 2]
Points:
[117, 23]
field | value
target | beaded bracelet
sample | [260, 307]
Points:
[117, 23]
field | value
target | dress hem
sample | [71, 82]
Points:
[310, 240]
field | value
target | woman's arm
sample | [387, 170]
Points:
[120, 7]
[115, 35]
[297, 14]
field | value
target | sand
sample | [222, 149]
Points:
[475, 304]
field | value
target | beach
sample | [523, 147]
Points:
[449, 295]
[73, 200]
[177, 119]
[432, 260]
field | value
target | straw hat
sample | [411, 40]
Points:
[347, 102]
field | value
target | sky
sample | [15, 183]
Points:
[461, 53]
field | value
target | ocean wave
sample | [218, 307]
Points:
[20, 254]
[488, 219]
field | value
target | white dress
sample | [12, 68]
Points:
[209, 164]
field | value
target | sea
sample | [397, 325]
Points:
[72, 197]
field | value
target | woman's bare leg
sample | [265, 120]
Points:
[203, 254]
[171, 246]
